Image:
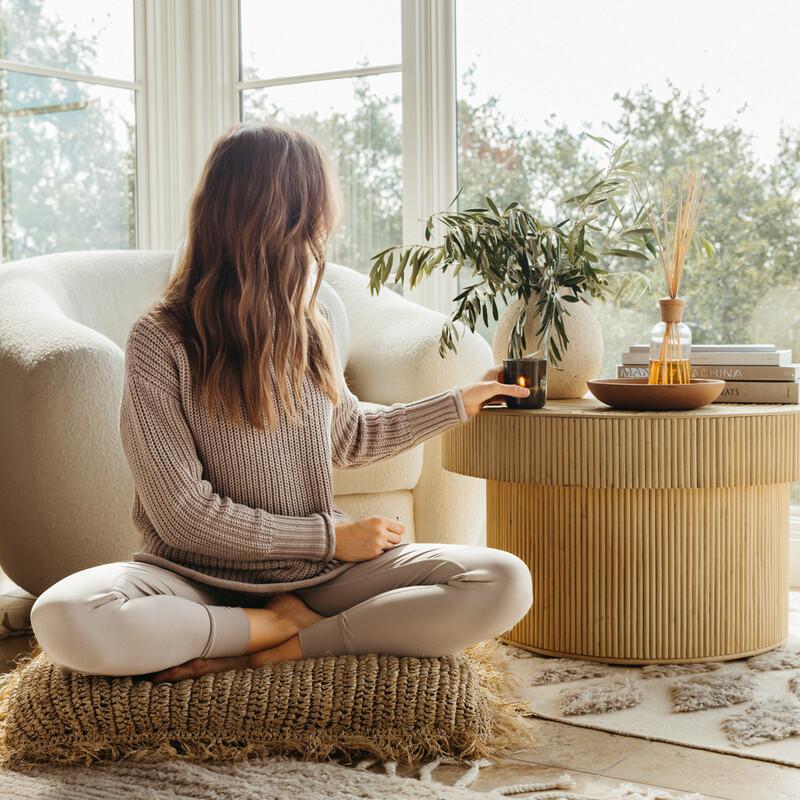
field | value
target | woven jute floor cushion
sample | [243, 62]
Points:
[403, 709]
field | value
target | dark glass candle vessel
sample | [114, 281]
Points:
[529, 372]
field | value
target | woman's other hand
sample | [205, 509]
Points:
[366, 538]
[489, 387]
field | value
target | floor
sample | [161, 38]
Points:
[600, 762]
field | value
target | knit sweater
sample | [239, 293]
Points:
[242, 509]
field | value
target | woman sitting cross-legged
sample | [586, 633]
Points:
[234, 412]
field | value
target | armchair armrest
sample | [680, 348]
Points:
[394, 345]
[394, 357]
[67, 491]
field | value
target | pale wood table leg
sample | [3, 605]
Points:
[642, 576]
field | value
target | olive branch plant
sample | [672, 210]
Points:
[514, 254]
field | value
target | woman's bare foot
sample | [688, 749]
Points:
[273, 640]
[269, 628]
[291, 606]
[202, 666]
[288, 651]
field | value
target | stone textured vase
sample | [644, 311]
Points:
[582, 360]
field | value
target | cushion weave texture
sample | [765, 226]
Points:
[403, 709]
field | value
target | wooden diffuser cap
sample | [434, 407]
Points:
[671, 309]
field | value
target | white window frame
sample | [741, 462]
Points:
[135, 86]
[187, 91]
[288, 79]
[188, 63]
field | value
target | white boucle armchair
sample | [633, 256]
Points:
[65, 490]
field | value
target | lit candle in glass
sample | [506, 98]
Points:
[528, 372]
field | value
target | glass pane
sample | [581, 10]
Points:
[67, 163]
[93, 36]
[358, 122]
[305, 37]
[702, 96]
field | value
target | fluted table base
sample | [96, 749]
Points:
[651, 536]
[645, 576]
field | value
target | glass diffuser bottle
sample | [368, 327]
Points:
[671, 340]
[670, 345]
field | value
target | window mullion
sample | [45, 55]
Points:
[143, 182]
[216, 61]
[430, 159]
[67, 75]
[290, 80]
[189, 67]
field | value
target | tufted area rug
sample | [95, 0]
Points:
[277, 778]
[749, 707]
[269, 779]
[257, 779]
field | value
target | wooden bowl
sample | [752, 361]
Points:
[638, 394]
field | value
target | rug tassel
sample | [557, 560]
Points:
[548, 795]
[366, 763]
[564, 782]
[426, 770]
[474, 770]
[390, 768]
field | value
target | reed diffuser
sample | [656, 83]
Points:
[671, 340]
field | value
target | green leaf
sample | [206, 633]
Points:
[615, 156]
[599, 139]
[615, 251]
[402, 267]
[455, 199]
[644, 230]
[415, 267]
[386, 271]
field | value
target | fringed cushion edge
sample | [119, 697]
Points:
[508, 733]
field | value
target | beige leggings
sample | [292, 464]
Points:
[132, 618]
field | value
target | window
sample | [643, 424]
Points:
[334, 71]
[690, 90]
[67, 126]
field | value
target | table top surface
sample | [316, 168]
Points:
[586, 443]
[590, 407]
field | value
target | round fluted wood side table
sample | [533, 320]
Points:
[652, 537]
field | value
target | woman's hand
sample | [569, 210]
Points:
[487, 388]
[366, 538]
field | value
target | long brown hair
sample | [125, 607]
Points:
[242, 297]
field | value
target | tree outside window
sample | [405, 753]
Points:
[514, 146]
[67, 147]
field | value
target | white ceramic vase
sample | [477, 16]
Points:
[582, 360]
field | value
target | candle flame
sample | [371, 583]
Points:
[521, 380]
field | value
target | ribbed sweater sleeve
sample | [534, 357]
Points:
[183, 507]
[360, 437]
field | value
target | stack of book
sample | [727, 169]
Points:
[753, 373]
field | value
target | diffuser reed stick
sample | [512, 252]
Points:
[672, 364]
